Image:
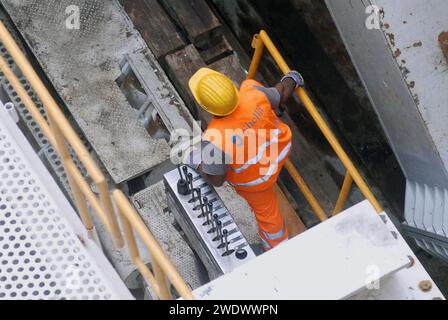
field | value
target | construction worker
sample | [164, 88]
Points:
[246, 143]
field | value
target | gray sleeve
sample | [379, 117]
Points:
[194, 159]
[212, 158]
[272, 94]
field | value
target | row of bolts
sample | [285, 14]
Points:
[185, 187]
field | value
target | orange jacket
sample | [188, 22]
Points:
[254, 138]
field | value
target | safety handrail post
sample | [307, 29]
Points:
[317, 209]
[109, 211]
[318, 119]
[258, 45]
[64, 154]
[135, 255]
[343, 195]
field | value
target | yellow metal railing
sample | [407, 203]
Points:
[259, 43]
[59, 133]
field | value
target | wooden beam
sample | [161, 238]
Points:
[217, 52]
[231, 67]
[292, 220]
[197, 20]
[154, 25]
[181, 66]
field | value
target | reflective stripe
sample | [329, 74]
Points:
[275, 236]
[266, 245]
[271, 171]
[260, 154]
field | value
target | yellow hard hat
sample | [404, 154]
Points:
[215, 92]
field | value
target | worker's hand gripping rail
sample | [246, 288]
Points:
[261, 41]
[58, 132]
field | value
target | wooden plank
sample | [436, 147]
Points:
[181, 66]
[231, 67]
[197, 20]
[154, 25]
[292, 220]
[217, 52]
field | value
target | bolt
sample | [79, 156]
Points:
[425, 285]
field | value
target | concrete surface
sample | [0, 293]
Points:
[83, 66]
[403, 69]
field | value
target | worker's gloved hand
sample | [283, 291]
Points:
[297, 77]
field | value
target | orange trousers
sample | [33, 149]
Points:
[273, 230]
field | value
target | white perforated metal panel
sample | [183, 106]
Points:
[42, 254]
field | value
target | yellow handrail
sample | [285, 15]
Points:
[343, 196]
[58, 131]
[262, 41]
[309, 196]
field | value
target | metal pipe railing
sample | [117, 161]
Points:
[259, 43]
[58, 131]
[309, 196]
[343, 196]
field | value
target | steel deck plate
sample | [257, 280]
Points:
[83, 66]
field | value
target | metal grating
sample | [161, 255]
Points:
[153, 207]
[41, 256]
[426, 213]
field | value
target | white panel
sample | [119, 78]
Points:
[331, 261]
[404, 284]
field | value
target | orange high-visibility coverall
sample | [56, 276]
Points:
[258, 143]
